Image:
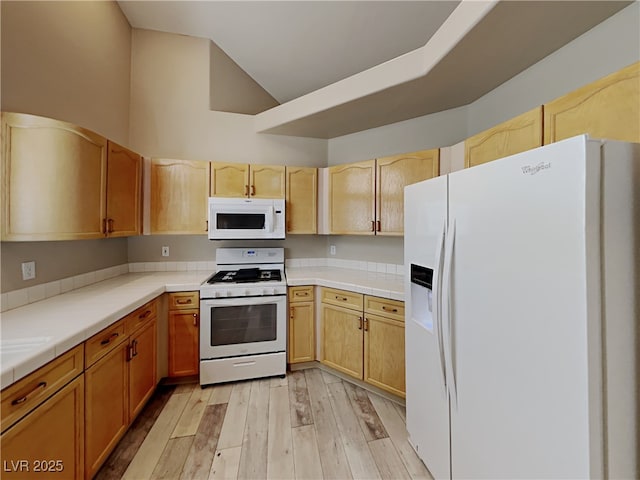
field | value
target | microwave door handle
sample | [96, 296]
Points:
[268, 220]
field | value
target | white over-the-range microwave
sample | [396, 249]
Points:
[246, 218]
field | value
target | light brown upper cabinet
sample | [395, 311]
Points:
[179, 193]
[367, 198]
[352, 199]
[53, 184]
[516, 135]
[302, 199]
[607, 108]
[124, 183]
[392, 175]
[243, 180]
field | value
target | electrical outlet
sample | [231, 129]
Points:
[165, 251]
[332, 249]
[28, 270]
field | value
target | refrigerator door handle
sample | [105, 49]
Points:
[446, 311]
[437, 302]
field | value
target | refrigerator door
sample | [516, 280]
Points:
[427, 401]
[519, 329]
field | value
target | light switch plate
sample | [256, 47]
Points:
[332, 249]
[28, 270]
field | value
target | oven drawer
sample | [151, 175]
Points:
[240, 368]
[181, 300]
[301, 294]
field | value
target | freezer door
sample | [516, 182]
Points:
[427, 401]
[519, 330]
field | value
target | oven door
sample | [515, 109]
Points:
[231, 327]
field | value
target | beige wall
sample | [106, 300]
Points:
[69, 61]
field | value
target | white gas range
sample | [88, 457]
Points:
[243, 316]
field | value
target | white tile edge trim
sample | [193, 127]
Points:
[24, 296]
[344, 263]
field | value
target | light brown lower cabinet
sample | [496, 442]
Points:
[302, 338]
[119, 382]
[106, 408]
[184, 334]
[49, 441]
[363, 336]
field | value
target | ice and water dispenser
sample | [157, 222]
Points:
[421, 296]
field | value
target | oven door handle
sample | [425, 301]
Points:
[240, 301]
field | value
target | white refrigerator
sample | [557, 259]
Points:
[522, 315]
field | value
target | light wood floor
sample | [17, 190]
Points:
[309, 425]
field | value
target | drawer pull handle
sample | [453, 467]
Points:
[183, 301]
[107, 340]
[393, 310]
[302, 294]
[342, 299]
[23, 399]
[148, 312]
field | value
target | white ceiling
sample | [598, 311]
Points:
[339, 67]
[295, 47]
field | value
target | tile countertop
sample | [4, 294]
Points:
[385, 285]
[32, 335]
[37, 333]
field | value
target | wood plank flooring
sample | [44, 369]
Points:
[310, 425]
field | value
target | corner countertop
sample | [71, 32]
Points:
[35, 334]
[387, 285]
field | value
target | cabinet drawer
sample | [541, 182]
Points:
[26, 394]
[342, 298]
[139, 317]
[181, 300]
[103, 342]
[301, 294]
[385, 307]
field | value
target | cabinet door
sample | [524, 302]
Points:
[302, 199]
[53, 431]
[607, 108]
[179, 194]
[229, 179]
[384, 354]
[53, 180]
[342, 339]
[142, 367]
[351, 198]
[183, 342]
[519, 134]
[267, 181]
[106, 408]
[392, 175]
[302, 337]
[124, 184]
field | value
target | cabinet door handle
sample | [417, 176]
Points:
[195, 319]
[291, 312]
[206, 225]
[24, 398]
[148, 312]
[110, 225]
[359, 323]
[378, 227]
[107, 340]
[393, 310]
[253, 190]
[366, 324]
[373, 225]
[129, 353]
[135, 348]
[104, 226]
[183, 301]
[246, 190]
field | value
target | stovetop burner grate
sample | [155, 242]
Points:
[246, 275]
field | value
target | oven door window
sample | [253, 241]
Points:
[240, 221]
[243, 324]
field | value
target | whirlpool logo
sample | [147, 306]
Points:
[532, 170]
